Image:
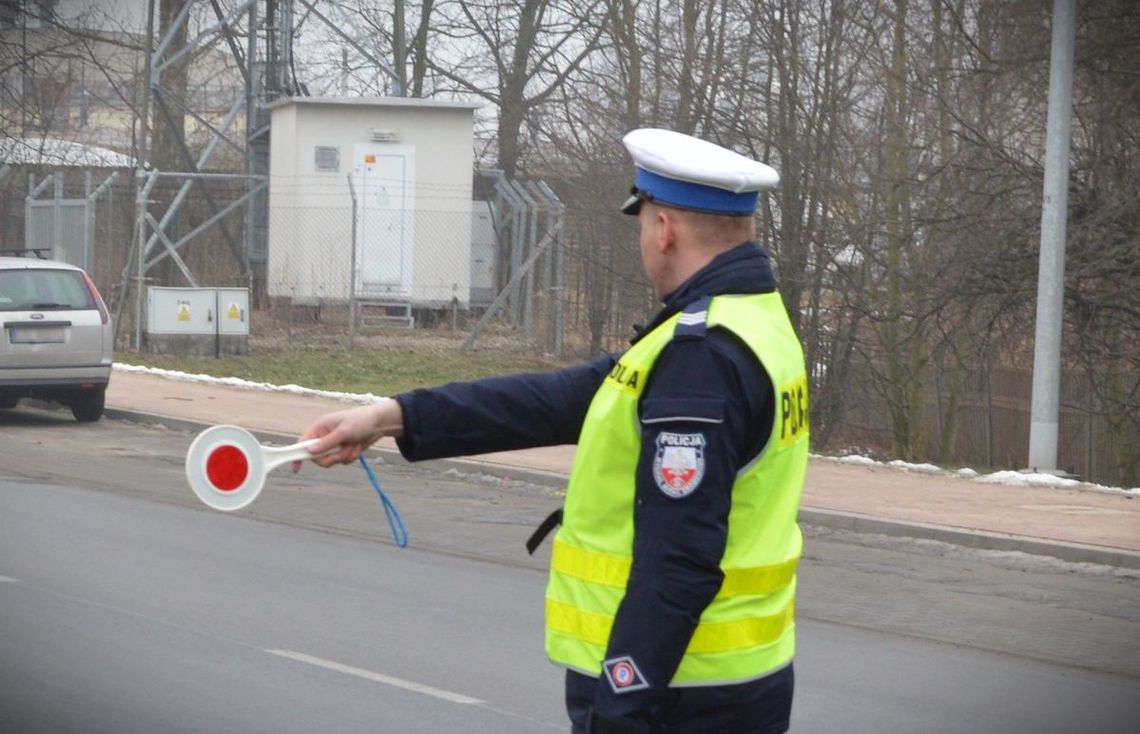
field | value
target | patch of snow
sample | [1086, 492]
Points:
[921, 468]
[1017, 478]
[858, 460]
[241, 384]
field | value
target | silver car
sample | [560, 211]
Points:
[57, 341]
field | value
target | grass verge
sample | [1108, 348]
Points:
[377, 371]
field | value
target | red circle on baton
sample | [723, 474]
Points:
[227, 468]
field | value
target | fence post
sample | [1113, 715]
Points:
[560, 288]
[352, 272]
[989, 374]
[87, 224]
[90, 212]
[555, 273]
[1090, 388]
[57, 216]
[508, 193]
[528, 231]
[140, 243]
[34, 190]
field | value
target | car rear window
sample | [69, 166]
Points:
[43, 290]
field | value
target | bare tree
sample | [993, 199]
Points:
[516, 55]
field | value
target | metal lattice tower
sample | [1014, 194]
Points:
[258, 35]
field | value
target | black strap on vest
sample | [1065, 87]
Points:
[552, 521]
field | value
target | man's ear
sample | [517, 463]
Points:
[666, 230]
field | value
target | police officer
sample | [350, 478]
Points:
[670, 598]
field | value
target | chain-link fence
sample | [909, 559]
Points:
[84, 216]
[357, 257]
[565, 281]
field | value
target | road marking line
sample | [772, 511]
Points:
[5, 579]
[376, 677]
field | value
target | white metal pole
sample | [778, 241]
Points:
[1051, 272]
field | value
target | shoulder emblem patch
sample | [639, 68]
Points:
[679, 463]
[623, 675]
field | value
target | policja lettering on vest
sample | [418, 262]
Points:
[793, 410]
[625, 375]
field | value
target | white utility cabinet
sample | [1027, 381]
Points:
[408, 162]
[198, 321]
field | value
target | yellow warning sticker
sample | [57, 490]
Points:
[183, 312]
[233, 312]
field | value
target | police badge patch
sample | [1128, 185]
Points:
[679, 464]
[623, 675]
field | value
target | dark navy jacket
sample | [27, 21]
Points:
[678, 543]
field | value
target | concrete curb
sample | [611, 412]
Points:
[965, 537]
[970, 538]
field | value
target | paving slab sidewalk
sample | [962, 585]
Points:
[1078, 524]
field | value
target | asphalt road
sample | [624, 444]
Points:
[125, 606]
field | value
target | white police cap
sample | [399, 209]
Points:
[678, 170]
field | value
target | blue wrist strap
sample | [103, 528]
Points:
[395, 522]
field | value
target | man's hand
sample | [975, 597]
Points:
[353, 431]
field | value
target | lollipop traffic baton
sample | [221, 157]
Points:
[226, 468]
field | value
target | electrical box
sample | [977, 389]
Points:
[233, 311]
[198, 321]
[182, 310]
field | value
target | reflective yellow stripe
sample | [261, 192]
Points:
[608, 569]
[758, 579]
[594, 628]
[742, 633]
[586, 626]
[605, 569]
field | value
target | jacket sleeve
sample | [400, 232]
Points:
[709, 396]
[499, 413]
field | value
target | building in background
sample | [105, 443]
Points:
[407, 163]
[72, 70]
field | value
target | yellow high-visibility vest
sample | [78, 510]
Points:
[748, 630]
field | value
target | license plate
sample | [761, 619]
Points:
[42, 335]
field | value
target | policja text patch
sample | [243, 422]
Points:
[679, 463]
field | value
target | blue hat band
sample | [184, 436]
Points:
[685, 195]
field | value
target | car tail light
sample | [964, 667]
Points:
[103, 315]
